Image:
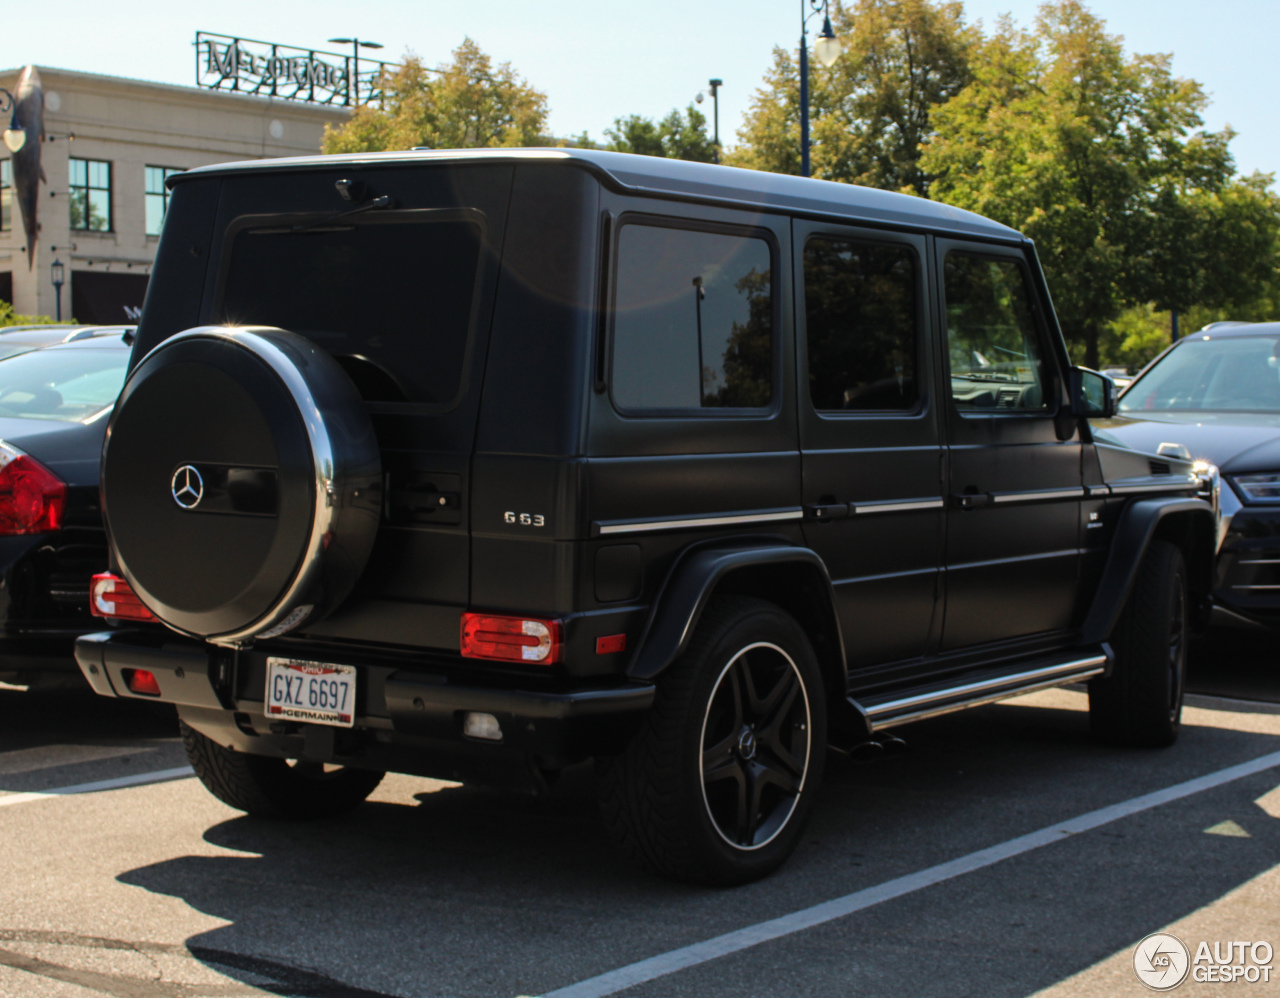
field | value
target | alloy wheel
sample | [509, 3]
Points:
[756, 746]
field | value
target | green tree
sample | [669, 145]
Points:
[870, 111]
[466, 104]
[680, 135]
[1100, 158]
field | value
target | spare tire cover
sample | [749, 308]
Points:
[241, 482]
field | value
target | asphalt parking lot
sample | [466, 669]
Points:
[933, 878]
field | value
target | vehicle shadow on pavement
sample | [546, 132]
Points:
[475, 892]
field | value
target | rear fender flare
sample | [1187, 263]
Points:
[1185, 521]
[793, 577]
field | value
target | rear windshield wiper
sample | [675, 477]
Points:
[386, 201]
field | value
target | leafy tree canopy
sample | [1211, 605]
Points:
[871, 110]
[1101, 158]
[680, 135]
[468, 103]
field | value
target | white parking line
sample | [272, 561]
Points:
[732, 942]
[137, 779]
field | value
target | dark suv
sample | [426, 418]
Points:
[478, 464]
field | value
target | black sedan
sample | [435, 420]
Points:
[1216, 393]
[54, 404]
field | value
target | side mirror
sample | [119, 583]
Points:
[1093, 395]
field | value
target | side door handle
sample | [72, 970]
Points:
[971, 500]
[826, 511]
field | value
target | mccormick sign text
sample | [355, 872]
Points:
[266, 69]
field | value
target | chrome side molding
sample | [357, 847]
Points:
[607, 528]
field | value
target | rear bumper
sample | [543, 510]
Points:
[407, 719]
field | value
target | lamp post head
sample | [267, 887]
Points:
[58, 273]
[827, 48]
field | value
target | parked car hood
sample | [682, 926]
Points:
[72, 451]
[1234, 441]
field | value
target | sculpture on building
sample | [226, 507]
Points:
[24, 138]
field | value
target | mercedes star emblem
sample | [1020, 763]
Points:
[187, 487]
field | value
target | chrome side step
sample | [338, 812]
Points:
[883, 714]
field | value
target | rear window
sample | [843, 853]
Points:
[72, 384]
[692, 320]
[389, 296]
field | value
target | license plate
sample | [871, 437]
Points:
[319, 692]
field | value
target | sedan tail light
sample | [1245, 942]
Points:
[32, 498]
[111, 596]
[510, 639]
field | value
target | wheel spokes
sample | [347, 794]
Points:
[719, 762]
[768, 772]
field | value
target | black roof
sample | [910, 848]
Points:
[668, 177]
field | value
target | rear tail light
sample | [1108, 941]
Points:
[510, 639]
[111, 596]
[32, 498]
[142, 682]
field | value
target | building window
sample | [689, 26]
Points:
[90, 195]
[157, 196]
[6, 195]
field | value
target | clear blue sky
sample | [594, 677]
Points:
[598, 61]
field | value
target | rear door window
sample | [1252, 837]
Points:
[862, 324]
[693, 322]
[389, 295]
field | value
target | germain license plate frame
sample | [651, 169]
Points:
[315, 692]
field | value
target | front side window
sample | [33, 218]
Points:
[861, 319]
[997, 363]
[90, 195]
[157, 196]
[6, 195]
[692, 320]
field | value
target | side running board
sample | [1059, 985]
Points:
[889, 709]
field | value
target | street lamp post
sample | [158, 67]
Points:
[715, 86]
[827, 50]
[353, 86]
[59, 275]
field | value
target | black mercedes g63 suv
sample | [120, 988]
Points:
[478, 464]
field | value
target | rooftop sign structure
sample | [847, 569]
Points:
[265, 69]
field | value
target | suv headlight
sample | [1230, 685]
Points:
[1259, 488]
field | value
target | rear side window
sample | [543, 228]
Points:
[389, 298]
[862, 324]
[692, 320]
[996, 357]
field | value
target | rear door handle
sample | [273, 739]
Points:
[827, 511]
[971, 500]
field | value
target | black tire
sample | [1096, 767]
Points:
[1140, 703]
[274, 788]
[679, 800]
